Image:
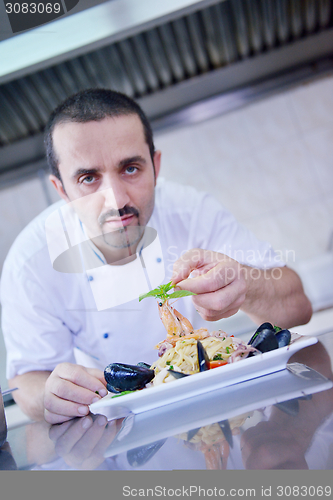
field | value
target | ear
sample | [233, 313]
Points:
[58, 186]
[157, 163]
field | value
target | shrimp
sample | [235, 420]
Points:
[216, 455]
[174, 322]
[200, 334]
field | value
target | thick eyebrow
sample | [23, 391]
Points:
[133, 159]
[85, 171]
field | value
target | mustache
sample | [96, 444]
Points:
[126, 210]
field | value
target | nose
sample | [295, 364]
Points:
[115, 195]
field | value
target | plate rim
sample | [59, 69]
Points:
[165, 390]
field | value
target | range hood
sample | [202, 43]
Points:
[166, 54]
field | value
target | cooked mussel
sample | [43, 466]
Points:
[178, 374]
[226, 429]
[203, 362]
[144, 365]
[264, 341]
[142, 454]
[121, 377]
[203, 359]
[264, 326]
[192, 433]
[283, 337]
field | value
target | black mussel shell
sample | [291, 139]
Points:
[306, 397]
[290, 407]
[264, 326]
[203, 358]
[141, 455]
[283, 337]
[265, 341]
[121, 377]
[144, 365]
[192, 433]
[178, 374]
[226, 429]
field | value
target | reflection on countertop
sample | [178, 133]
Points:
[247, 425]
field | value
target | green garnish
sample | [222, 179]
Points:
[161, 293]
[167, 362]
[171, 367]
[277, 328]
[217, 357]
[122, 394]
[227, 349]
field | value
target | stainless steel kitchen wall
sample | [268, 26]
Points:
[168, 66]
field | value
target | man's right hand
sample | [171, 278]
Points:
[69, 390]
[82, 442]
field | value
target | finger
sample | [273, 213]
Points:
[221, 300]
[54, 418]
[68, 440]
[57, 430]
[71, 392]
[59, 410]
[99, 374]
[254, 434]
[190, 260]
[83, 448]
[80, 377]
[216, 316]
[219, 276]
[97, 455]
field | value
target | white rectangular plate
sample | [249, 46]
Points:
[200, 383]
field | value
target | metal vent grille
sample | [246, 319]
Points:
[162, 57]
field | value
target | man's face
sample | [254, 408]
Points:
[107, 173]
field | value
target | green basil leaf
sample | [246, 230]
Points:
[153, 293]
[122, 394]
[180, 293]
[166, 287]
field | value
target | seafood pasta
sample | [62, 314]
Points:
[211, 441]
[183, 355]
[186, 351]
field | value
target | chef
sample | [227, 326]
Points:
[71, 281]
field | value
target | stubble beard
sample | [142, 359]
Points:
[125, 237]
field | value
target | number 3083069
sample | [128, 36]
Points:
[32, 8]
[308, 491]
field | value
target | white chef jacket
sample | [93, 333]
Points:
[50, 316]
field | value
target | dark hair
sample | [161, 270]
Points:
[93, 105]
